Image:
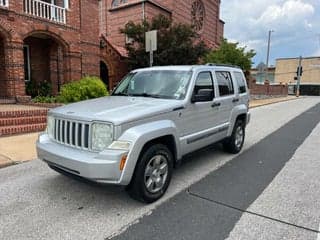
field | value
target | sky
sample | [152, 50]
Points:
[295, 25]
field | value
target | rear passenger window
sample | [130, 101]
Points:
[241, 82]
[225, 83]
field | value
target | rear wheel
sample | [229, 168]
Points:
[234, 143]
[152, 174]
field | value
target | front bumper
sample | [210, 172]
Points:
[248, 117]
[99, 167]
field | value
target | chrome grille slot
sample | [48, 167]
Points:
[72, 133]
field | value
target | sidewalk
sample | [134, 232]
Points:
[261, 102]
[21, 148]
[17, 149]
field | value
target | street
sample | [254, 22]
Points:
[269, 191]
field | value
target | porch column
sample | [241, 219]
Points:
[15, 70]
[73, 70]
[3, 72]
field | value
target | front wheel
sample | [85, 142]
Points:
[234, 143]
[152, 174]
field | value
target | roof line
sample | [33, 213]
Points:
[297, 58]
[139, 2]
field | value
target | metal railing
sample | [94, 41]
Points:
[45, 10]
[4, 3]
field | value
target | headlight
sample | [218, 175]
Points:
[50, 126]
[102, 136]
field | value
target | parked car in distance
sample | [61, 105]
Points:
[152, 119]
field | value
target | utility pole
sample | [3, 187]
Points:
[268, 53]
[299, 73]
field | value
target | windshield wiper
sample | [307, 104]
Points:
[146, 95]
[120, 94]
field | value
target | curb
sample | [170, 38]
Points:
[269, 103]
[5, 161]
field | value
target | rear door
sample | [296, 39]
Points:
[226, 96]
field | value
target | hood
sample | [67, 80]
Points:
[116, 109]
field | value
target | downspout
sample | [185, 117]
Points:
[143, 10]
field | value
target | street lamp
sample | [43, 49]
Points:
[268, 53]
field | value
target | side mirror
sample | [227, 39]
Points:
[203, 95]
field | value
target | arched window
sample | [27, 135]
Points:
[116, 3]
[198, 14]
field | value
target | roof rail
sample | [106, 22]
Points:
[222, 65]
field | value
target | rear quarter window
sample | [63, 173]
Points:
[240, 82]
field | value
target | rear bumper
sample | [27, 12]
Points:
[99, 167]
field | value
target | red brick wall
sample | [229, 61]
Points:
[152, 11]
[90, 37]
[267, 89]
[212, 30]
[211, 33]
[17, 26]
[117, 19]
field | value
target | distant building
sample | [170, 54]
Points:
[286, 72]
[260, 75]
[58, 41]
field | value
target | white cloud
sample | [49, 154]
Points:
[291, 13]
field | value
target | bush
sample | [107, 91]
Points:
[35, 89]
[86, 88]
[43, 99]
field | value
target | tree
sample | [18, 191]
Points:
[231, 53]
[178, 44]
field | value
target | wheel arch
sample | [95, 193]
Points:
[142, 136]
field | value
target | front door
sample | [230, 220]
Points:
[199, 120]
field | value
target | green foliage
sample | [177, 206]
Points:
[178, 44]
[86, 88]
[43, 88]
[43, 99]
[231, 53]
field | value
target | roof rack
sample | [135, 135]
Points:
[222, 65]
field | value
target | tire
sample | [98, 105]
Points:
[152, 175]
[234, 143]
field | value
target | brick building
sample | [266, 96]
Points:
[62, 40]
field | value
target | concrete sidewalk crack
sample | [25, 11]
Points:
[252, 213]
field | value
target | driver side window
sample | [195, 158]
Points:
[204, 82]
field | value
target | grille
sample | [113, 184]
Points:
[72, 133]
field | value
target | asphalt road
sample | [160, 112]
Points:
[37, 203]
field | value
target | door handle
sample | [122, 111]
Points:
[235, 100]
[215, 105]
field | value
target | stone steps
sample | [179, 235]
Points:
[22, 121]
[14, 121]
[19, 129]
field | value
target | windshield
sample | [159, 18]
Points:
[169, 84]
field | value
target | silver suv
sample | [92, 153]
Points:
[153, 118]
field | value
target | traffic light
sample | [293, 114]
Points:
[299, 71]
